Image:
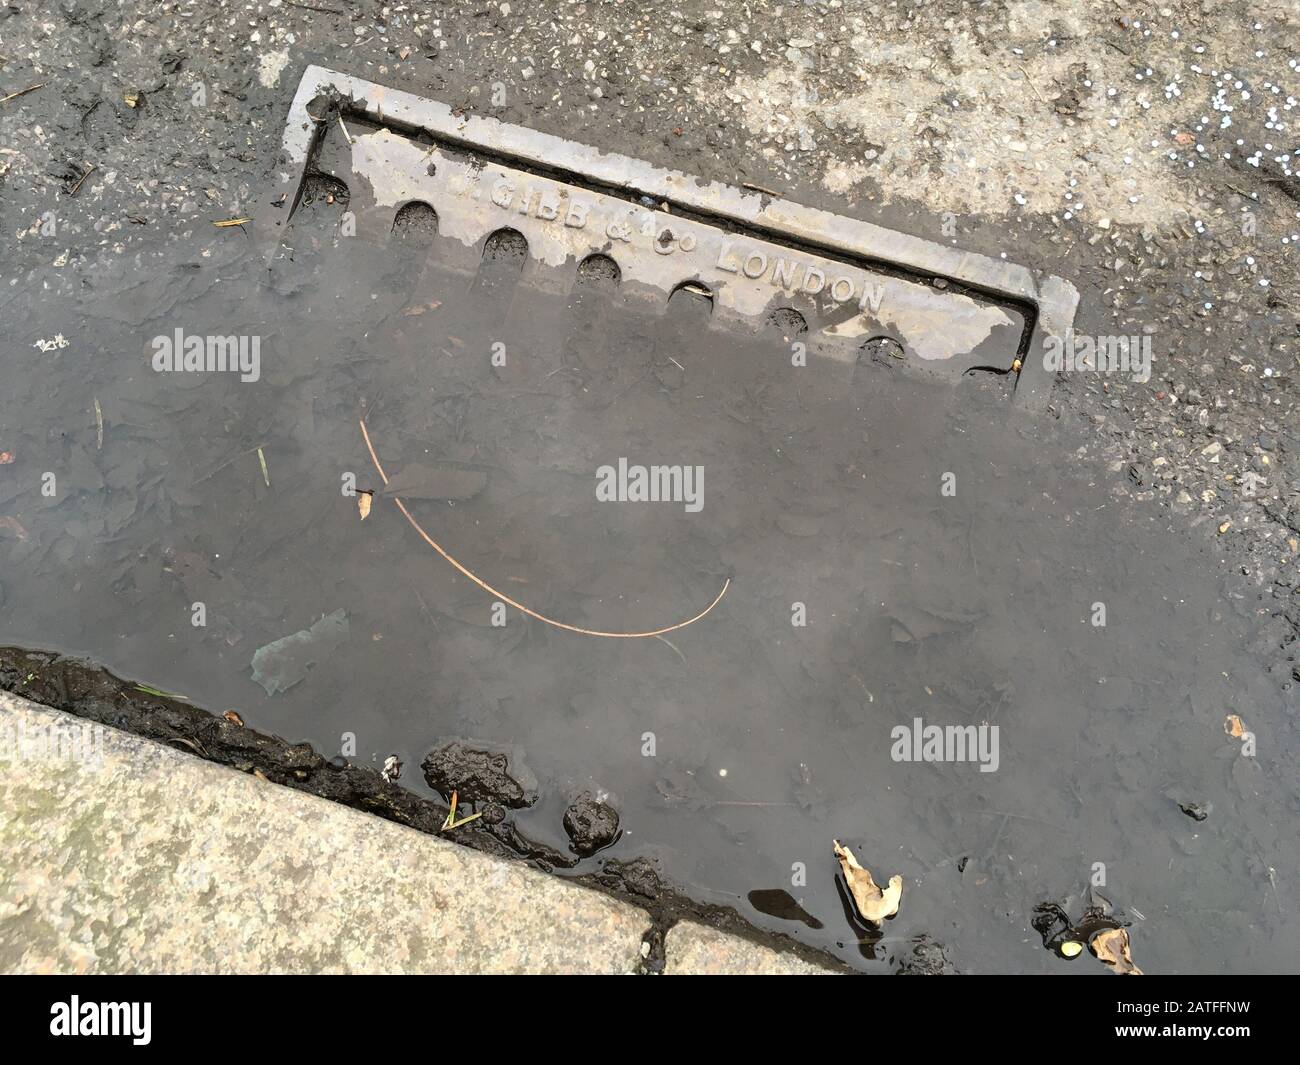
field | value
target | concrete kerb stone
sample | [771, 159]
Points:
[134, 857]
[120, 854]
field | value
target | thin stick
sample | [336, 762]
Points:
[21, 92]
[83, 179]
[314, 7]
[1031, 84]
[674, 647]
[505, 598]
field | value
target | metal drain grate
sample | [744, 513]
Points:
[847, 289]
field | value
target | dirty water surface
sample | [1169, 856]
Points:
[897, 549]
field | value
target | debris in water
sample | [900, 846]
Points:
[6, 457]
[1234, 726]
[927, 958]
[1112, 947]
[99, 425]
[1195, 810]
[1071, 948]
[280, 665]
[226, 223]
[365, 433]
[160, 693]
[590, 824]
[265, 475]
[364, 500]
[871, 903]
[484, 776]
[451, 821]
[392, 769]
[234, 718]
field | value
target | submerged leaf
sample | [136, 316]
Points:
[280, 665]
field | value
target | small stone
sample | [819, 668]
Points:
[591, 824]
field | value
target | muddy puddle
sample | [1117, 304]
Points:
[897, 550]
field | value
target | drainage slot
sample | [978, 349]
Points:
[599, 272]
[506, 246]
[691, 294]
[787, 323]
[416, 223]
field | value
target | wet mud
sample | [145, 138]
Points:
[864, 596]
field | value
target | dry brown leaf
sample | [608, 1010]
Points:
[1112, 947]
[1234, 726]
[871, 903]
[363, 504]
[233, 718]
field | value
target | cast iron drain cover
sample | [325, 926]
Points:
[847, 289]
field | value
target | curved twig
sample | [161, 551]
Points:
[517, 605]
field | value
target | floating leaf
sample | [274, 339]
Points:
[870, 901]
[1234, 726]
[363, 504]
[1112, 947]
[1071, 949]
